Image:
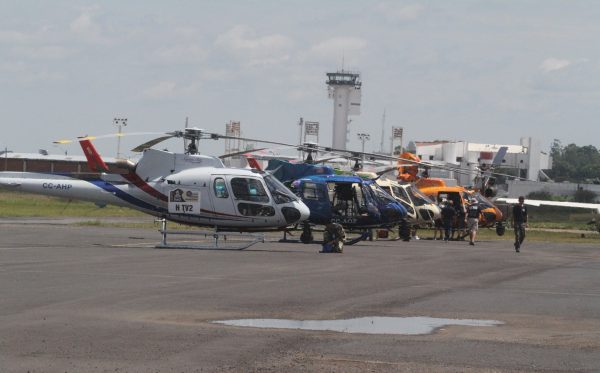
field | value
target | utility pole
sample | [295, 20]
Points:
[120, 123]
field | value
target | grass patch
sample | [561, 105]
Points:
[17, 204]
[591, 237]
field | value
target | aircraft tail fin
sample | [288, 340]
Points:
[499, 156]
[95, 162]
[253, 163]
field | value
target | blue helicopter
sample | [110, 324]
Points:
[355, 203]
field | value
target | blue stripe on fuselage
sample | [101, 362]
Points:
[125, 196]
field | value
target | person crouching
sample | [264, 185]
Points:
[333, 238]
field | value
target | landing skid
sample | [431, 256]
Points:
[348, 242]
[213, 239]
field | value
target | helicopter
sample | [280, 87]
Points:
[188, 188]
[439, 190]
[422, 211]
[349, 200]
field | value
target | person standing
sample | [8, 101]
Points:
[473, 212]
[461, 222]
[519, 218]
[448, 214]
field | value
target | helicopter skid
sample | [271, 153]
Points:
[213, 240]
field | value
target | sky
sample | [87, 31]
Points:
[480, 71]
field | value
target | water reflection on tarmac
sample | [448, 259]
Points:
[365, 325]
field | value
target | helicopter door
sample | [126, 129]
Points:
[251, 199]
[221, 196]
[315, 197]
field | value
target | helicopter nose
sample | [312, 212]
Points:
[298, 213]
[304, 211]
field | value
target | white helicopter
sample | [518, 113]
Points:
[188, 188]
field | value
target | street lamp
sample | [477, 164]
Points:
[120, 123]
[363, 137]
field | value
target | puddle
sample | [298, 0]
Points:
[366, 325]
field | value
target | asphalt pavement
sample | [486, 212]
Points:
[97, 299]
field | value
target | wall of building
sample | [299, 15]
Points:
[53, 164]
[518, 188]
[525, 159]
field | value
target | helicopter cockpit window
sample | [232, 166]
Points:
[483, 202]
[388, 190]
[253, 209]
[280, 193]
[310, 191]
[347, 199]
[380, 194]
[419, 199]
[401, 193]
[249, 189]
[220, 188]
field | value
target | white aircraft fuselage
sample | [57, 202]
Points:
[191, 189]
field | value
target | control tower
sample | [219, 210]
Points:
[344, 89]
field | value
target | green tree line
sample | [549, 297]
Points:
[578, 164]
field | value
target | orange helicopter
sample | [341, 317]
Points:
[438, 190]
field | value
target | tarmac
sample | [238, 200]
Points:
[97, 299]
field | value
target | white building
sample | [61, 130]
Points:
[525, 160]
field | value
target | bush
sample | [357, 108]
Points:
[543, 195]
[584, 195]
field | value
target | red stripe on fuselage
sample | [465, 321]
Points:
[138, 182]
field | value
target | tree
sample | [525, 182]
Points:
[574, 163]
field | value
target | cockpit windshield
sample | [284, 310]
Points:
[401, 193]
[483, 202]
[280, 193]
[380, 194]
[419, 199]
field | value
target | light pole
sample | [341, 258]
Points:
[300, 124]
[363, 137]
[120, 123]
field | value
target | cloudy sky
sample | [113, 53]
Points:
[482, 71]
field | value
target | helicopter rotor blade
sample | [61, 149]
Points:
[106, 136]
[226, 137]
[240, 153]
[349, 154]
[151, 143]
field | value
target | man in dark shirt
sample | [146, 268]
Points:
[461, 222]
[448, 214]
[473, 212]
[519, 217]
